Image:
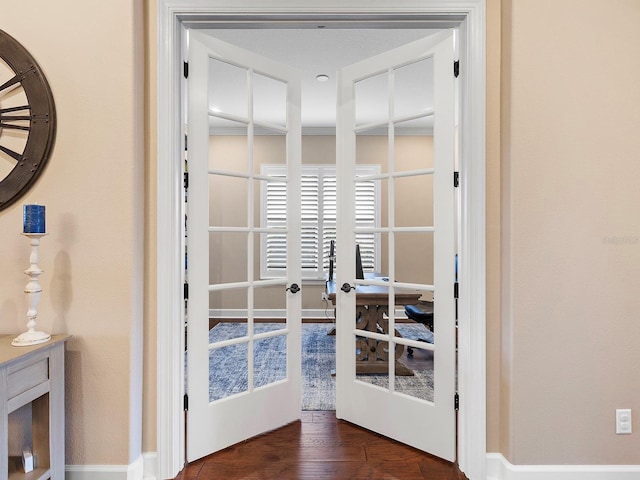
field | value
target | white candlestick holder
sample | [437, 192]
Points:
[33, 291]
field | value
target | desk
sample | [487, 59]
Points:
[372, 356]
[35, 375]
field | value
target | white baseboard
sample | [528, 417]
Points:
[318, 313]
[150, 471]
[269, 313]
[498, 468]
[145, 466]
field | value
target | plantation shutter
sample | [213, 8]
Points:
[329, 216]
[366, 219]
[310, 224]
[275, 253]
[319, 219]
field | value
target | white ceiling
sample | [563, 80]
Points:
[319, 51]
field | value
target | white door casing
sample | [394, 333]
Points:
[174, 16]
[425, 423]
[218, 420]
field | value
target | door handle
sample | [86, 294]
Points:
[346, 288]
[294, 288]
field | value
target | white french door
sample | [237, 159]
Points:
[243, 376]
[410, 399]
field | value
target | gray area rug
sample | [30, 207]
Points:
[228, 365]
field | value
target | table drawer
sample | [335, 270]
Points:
[28, 376]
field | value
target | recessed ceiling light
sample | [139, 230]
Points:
[322, 77]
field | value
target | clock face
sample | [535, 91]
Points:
[27, 120]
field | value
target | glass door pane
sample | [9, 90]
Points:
[243, 325]
[396, 113]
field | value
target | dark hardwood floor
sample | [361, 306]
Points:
[320, 447]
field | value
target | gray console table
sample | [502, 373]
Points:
[34, 375]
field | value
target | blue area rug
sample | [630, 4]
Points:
[228, 372]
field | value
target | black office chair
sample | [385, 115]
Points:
[421, 313]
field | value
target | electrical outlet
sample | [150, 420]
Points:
[325, 297]
[623, 421]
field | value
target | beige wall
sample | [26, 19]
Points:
[149, 399]
[571, 230]
[91, 53]
[493, 225]
[562, 115]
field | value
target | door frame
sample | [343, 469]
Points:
[176, 15]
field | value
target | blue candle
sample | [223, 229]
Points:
[33, 217]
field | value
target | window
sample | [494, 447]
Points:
[318, 219]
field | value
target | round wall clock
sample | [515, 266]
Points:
[27, 120]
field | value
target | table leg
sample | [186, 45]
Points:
[372, 356]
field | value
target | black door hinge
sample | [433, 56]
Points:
[185, 70]
[456, 179]
[186, 291]
[455, 297]
[185, 402]
[456, 68]
[456, 402]
[186, 180]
